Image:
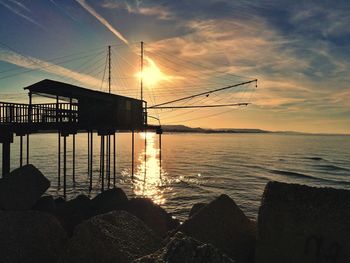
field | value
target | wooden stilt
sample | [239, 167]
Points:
[132, 154]
[59, 161]
[27, 148]
[6, 158]
[73, 159]
[64, 166]
[114, 160]
[21, 150]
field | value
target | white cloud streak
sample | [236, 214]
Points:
[103, 21]
[37, 64]
[17, 12]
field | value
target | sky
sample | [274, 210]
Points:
[298, 50]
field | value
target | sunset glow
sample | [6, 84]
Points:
[152, 74]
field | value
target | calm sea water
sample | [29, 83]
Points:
[198, 167]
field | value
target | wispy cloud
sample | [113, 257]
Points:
[103, 21]
[16, 10]
[37, 64]
[137, 7]
[20, 5]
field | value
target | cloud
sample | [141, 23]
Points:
[20, 5]
[18, 12]
[103, 21]
[140, 8]
[296, 74]
[37, 64]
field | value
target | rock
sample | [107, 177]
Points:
[59, 200]
[183, 249]
[73, 212]
[45, 204]
[110, 200]
[195, 208]
[113, 237]
[223, 224]
[297, 223]
[22, 188]
[152, 215]
[30, 236]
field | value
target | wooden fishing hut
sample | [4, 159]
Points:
[75, 109]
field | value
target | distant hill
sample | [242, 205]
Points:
[183, 128]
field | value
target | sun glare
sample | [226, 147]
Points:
[152, 74]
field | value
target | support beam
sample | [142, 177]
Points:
[73, 158]
[64, 166]
[145, 156]
[108, 161]
[6, 158]
[88, 161]
[59, 161]
[20, 150]
[114, 159]
[27, 148]
[91, 159]
[6, 138]
[132, 154]
[160, 155]
[102, 162]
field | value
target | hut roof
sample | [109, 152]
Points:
[50, 88]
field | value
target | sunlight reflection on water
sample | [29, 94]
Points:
[149, 178]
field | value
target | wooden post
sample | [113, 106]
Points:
[91, 158]
[5, 158]
[132, 154]
[59, 160]
[20, 150]
[6, 138]
[88, 153]
[145, 157]
[160, 155]
[114, 160]
[64, 166]
[27, 148]
[73, 159]
[102, 162]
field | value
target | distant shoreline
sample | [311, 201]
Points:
[186, 129]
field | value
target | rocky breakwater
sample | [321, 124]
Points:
[295, 224]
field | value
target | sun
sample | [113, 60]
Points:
[152, 74]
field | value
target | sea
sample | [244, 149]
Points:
[195, 167]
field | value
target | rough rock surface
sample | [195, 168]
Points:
[183, 249]
[73, 212]
[113, 237]
[223, 224]
[110, 200]
[22, 188]
[196, 208]
[30, 237]
[301, 224]
[45, 204]
[152, 215]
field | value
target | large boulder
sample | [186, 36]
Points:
[30, 237]
[298, 223]
[22, 188]
[184, 249]
[113, 237]
[110, 200]
[152, 215]
[223, 224]
[196, 208]
[73, 212]
[45, 204]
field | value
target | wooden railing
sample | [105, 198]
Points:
[38, 113]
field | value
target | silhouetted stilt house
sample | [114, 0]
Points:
[75, 109]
